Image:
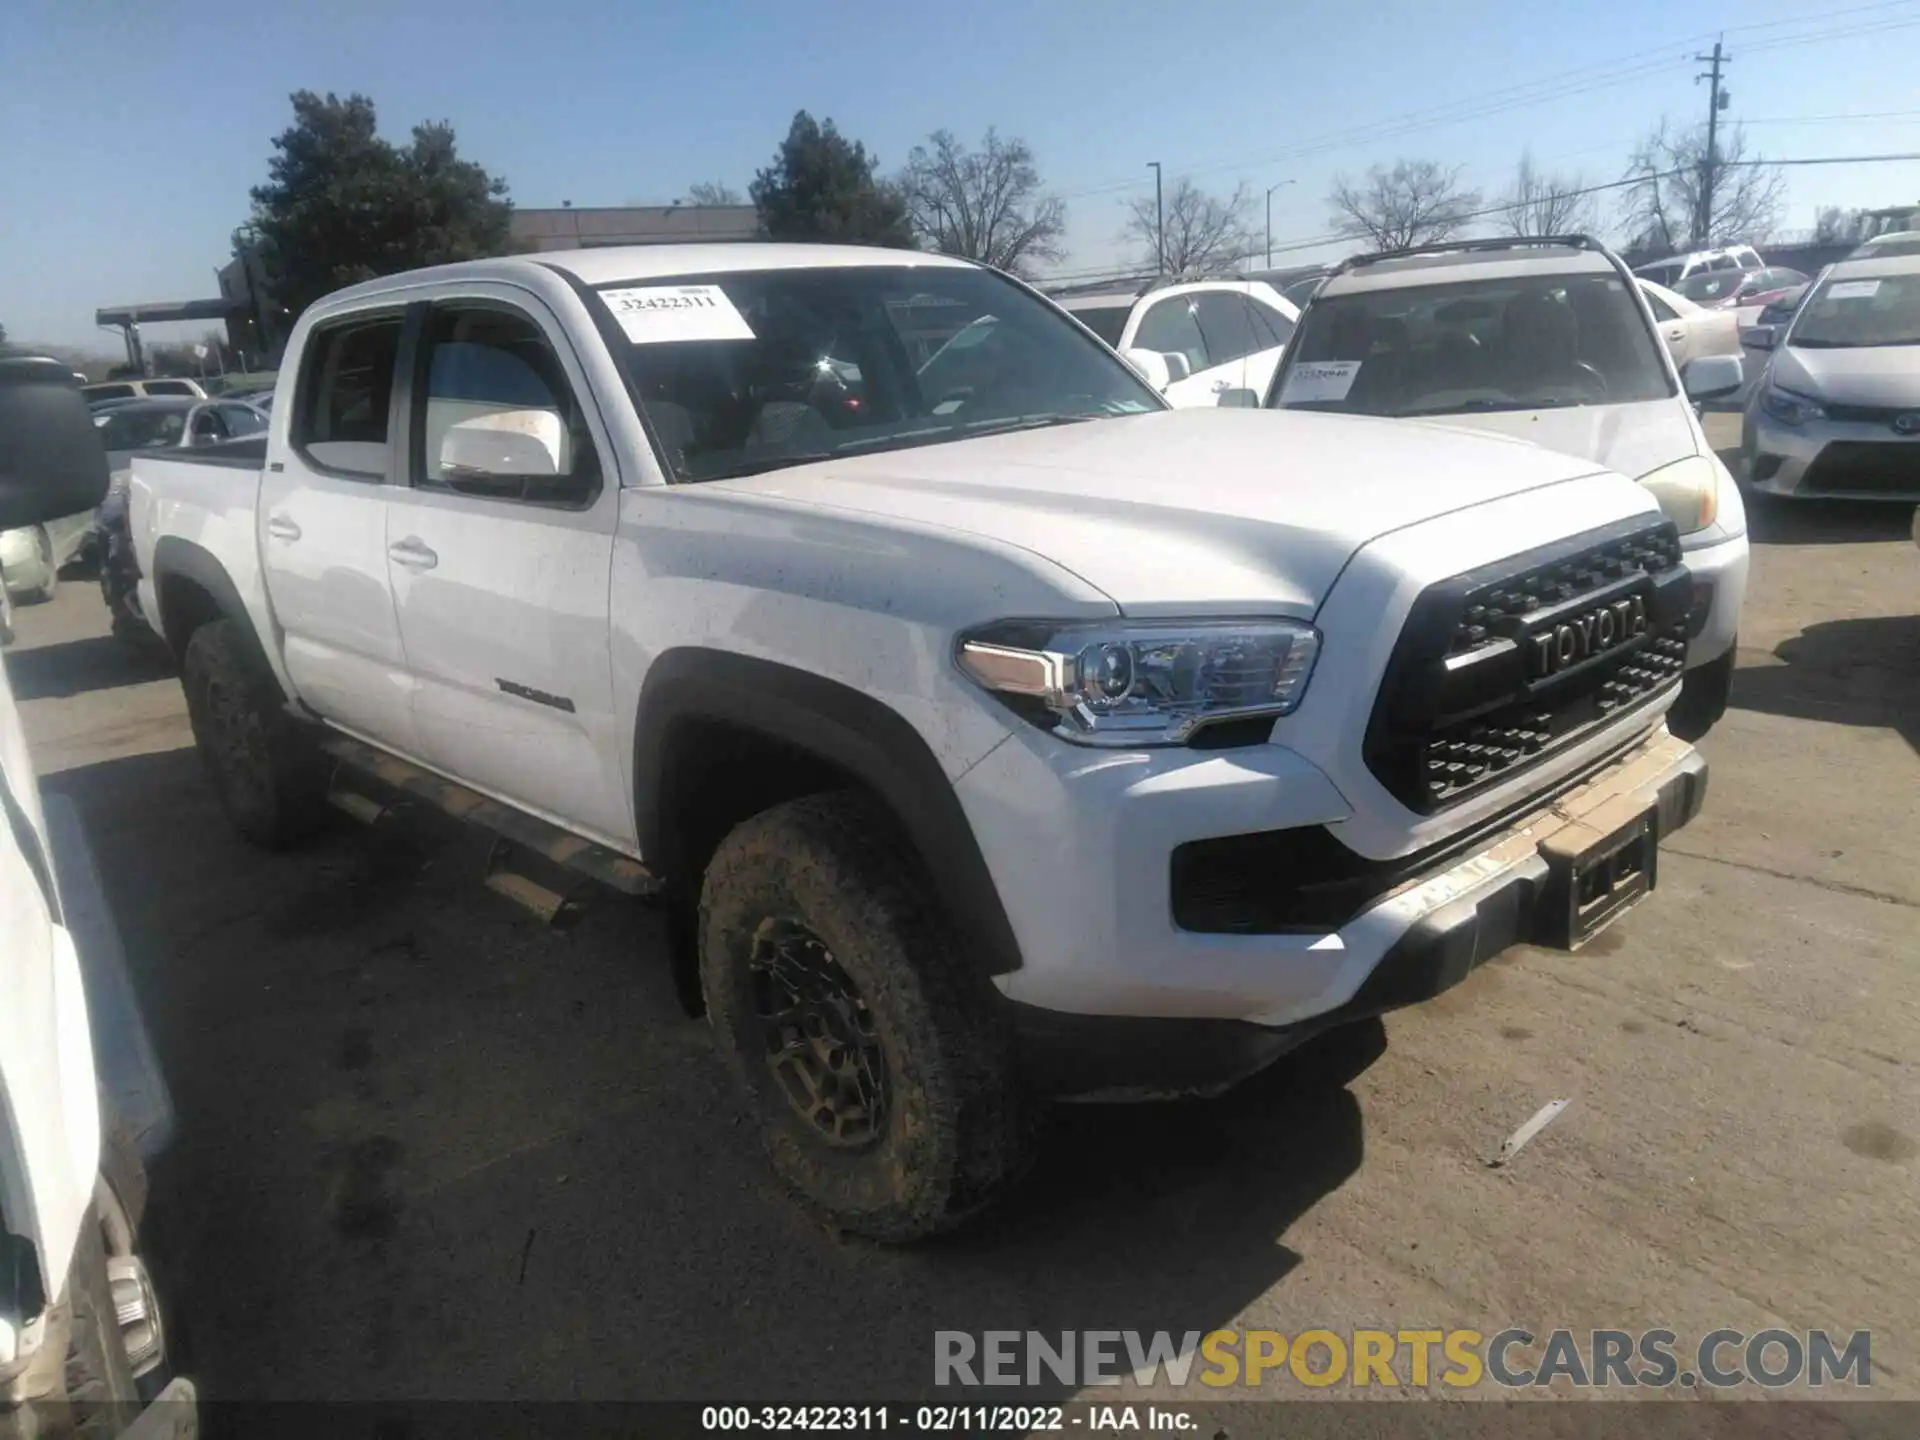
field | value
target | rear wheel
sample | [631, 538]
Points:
[876, 1057]
[266, 766]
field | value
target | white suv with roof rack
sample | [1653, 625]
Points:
[1675, 268]
[1197, 340]
[1548, 340]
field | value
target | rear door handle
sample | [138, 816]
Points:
[281, 528]
[412, 553]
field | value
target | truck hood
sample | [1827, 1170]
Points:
[1188, 512]
[1634, 439]
[1887, 375]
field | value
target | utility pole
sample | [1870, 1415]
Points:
[1270, 190]
[1710, 167]
[1159, 223]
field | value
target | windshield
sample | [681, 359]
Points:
[1518, 343]
[1860, 312]
[1109, 322]
[140, 429]
[755, 370]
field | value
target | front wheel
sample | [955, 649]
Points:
[270, 774]
[876, 1057]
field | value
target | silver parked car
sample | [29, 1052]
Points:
[1838, 411]
[31, 559]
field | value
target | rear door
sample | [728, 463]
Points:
[323, 529]
[500, 550]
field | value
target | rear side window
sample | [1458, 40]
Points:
[108, 392]
[346, 389]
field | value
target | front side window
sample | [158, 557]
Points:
[498, 417]
[1525, 343]
[757, 369]
[346, 387]
[140, 429]
[1662, 311]
[1173, 328]
[1227, 326]
[1860, 312]
[107, 392]
[209, 427]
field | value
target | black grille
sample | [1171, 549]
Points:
[1864, 414]
[1866, 467]
[1502, 665]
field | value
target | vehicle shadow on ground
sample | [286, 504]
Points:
[1851, 672]
[431, 1148]
[75, 667]
[1826, 522]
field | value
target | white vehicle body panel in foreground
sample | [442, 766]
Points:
[866, 569]
[50, 1129]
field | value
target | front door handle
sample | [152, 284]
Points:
[281, 528]
[412, 553]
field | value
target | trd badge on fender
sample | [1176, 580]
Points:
[1583, 636]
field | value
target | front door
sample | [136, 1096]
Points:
[323, 531]
[501, 552]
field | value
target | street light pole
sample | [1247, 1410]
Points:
[1159, 223]
[1270, 190]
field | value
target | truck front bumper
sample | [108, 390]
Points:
[1136, 1005]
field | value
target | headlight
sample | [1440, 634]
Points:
[1688, 492]
[1121, 683]
[1789, 408]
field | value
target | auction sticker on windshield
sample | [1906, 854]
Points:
[662, 314]
[1319, 380]
[1853, 290]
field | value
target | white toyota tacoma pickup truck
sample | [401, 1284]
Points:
[994, 732]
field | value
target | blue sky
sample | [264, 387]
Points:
[130, 130]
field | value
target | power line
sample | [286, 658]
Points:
[1582, 80]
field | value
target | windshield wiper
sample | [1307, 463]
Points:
[1021, 422]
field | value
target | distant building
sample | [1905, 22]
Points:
[571, 228]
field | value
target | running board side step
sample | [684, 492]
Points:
[519, 830]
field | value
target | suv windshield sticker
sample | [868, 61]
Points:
[1320, 380]
[1853, 289]
[661, 314]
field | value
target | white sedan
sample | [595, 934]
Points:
[1195, 341]
[1691, 330]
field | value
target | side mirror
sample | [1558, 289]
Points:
[51, 461]
[1151, 366]
[1235, 399]
[1714, 377]
[1762, 337]
[511, 454]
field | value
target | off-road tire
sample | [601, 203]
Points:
[953, 1134]
[101, 1395]
[267, 767]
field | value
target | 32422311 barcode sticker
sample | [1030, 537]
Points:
[660, 314]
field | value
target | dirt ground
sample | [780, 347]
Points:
[432, 1149]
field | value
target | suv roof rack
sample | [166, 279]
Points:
[1452, 247]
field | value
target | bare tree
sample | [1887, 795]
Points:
[985, 204]
[1542, 204]
[1834, 226]
[1417, 202]
[1670, 176]
[1201, 232]
[714, 192]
